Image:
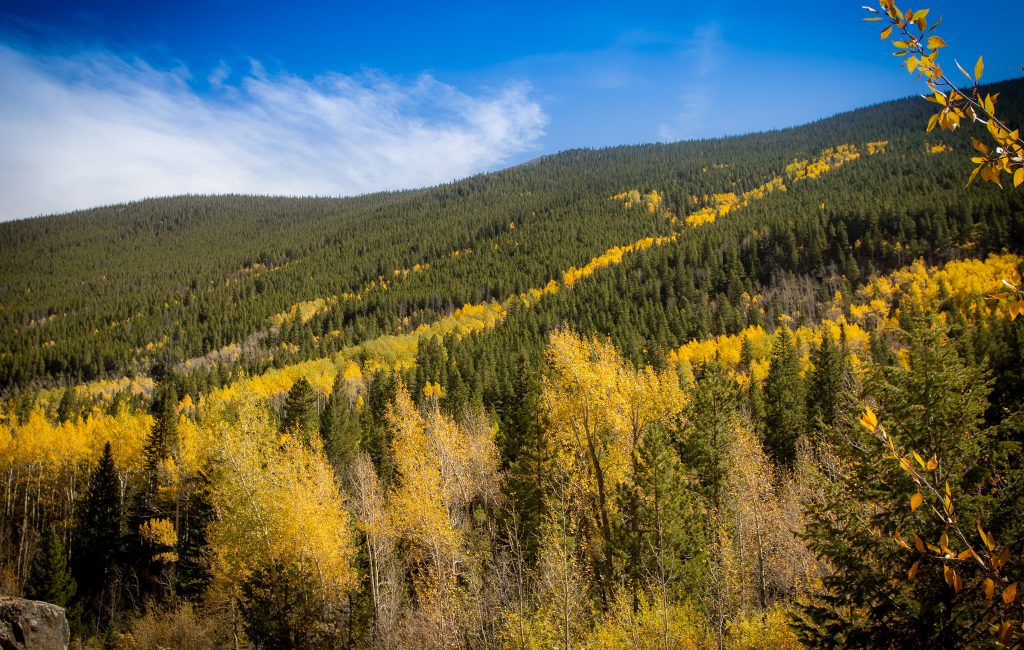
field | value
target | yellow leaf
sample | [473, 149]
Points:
[913, 570]
[944, 543]
[1005, 633]
[899, 540]
[868, 420]
[918, 543]
[886, 32]
[935, 42]
[965, 73]
[948, 574]
[1018, 177]
[932, 464]
[1004, 557]
[920, 461]
[979, 67]
[1010, 593]
[958, 582]
[974, 174]
[905, 464]
[979, 145]
[964, 555]
[989, 587]
[915, 501]
[990, 107]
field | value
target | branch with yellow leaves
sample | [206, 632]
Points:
[1016, 296]
[991, 561]
[914, 40]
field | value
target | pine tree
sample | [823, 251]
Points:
[659, 534]
[824, 390]
[339, 428]
[50, 579]
[876, 595]
[98, 535]
[710, 419]
[300, 410]
[784, 406]
[66, 407]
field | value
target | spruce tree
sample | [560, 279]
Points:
[339, 428]
[825, 387]
[875, 594]
[376, 437]
[710, 417]
[659, 533]
[50, 579]
[98, 534]
[300, 410]
[784, 406]
[193, 570]
[66, 407]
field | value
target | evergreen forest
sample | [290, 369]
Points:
[752, 392]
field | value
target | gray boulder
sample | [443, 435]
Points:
[32, 625]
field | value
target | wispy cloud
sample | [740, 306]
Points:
[701, 55]
[94, 128]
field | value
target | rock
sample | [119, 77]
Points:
[32, 625]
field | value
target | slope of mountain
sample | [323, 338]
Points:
[612, 398]
[112, 291]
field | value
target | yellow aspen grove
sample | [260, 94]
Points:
[375, 523]
[597, 409]
[419, 507]
[445, 470]
[276, 502]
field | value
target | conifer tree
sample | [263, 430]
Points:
[98, 536]
[824, 390]
[878, 592]
[339, 428]
[521, 445]
[660, 532]
[376, 436]
[50, 579]
[784, 406]
[710, 419]
[300, 410]
[67, 405]
[193, 571]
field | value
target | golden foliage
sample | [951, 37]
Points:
[597, 407]
[650, 623]
[44, 444]
[768, 630]
[909, 32]
[276, 501]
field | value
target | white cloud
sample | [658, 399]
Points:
[702, 55]
[94, 129]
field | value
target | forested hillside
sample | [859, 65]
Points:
[742, 393]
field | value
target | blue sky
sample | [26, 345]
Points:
[103, 102]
